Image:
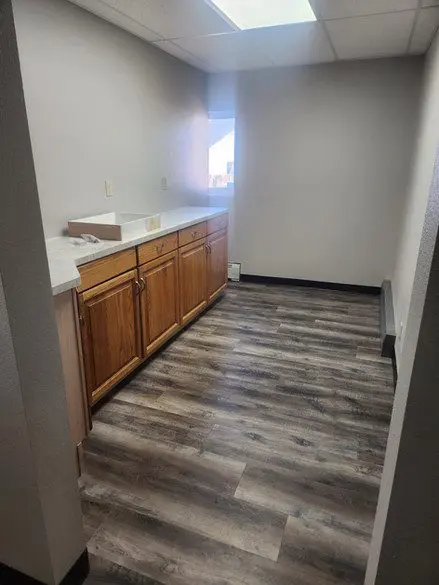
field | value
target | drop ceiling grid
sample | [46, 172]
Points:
[194, 32]
[427, 24]
[378, 35]
[230, 52]
[174, 18]
[364, 28]
[119, 18]
[339, 9]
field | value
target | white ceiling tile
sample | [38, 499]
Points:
[118, 18]
[201, 37]
[430, 3]
[227, 52]
[425, 28]
[328, 9]
[174, 18]
[296, 44]
[176, 51]
[371, 36]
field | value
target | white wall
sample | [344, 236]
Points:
[23, 549]
[41, 531]
[103, 104]
[404, 543]
[419, 188]
[322, 160]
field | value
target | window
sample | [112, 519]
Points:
[221, 155]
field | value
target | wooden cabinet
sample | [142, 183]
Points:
[159, 301]
[217, 223]
[203, 273]
[216, 264]
[71, 358]
[192, 233]
[100, 271]
[111, 334]
[132, 302]
[156, 248]
[192, 268]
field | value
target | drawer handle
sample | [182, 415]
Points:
[194, 234]
[159, 249]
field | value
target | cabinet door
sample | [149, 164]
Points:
[159, 301]
[217, 261]
[192, 264]
[111, 335]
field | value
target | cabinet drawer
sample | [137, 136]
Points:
[99, 271]
[152, 250]
[217, 223]
[192, 233]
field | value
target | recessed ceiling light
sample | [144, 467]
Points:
[247, 14]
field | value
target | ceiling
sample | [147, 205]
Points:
[195, 32]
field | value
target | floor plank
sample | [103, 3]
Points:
[103, 572]
[323, 553]
[249, 451]
[173, 555]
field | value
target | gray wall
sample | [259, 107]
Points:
[323, 154]
[23, 516]
[103, 104]
[40, 515]
[418, 190]
[405, 538]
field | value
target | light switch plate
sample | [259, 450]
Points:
[108, 189]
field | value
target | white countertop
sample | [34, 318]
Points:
[64, 256]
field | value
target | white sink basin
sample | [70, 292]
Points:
[114, 225]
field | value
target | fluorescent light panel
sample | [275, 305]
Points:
[247, 14]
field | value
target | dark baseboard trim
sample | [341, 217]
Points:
[76, 576]
[79, 572]
[370, 290]
[395, 369]
[388, 346]
[387, 320]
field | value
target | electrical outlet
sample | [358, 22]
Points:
[164, 183]
[109, 193]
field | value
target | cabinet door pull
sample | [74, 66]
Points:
[142, 280]
[138, 287]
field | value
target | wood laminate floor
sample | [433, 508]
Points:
[249, 451]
